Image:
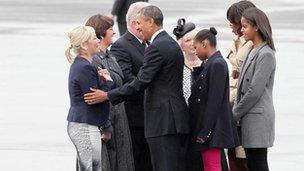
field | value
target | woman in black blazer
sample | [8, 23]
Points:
[211, 116]
[85, 121]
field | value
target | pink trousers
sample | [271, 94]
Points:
[212, 159]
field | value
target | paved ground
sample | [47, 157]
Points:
[33, 73]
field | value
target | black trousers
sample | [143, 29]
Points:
[168, 153]
[257, 159]
[236, 164]
[224, 161]
[141, 151]
[194, 161]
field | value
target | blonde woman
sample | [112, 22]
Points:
[185, 33]
[86, 123]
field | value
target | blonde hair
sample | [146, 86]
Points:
[78, 36]
[134, 10]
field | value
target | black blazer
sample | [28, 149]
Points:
[82, 77]
[210, 110]
[129, 53]
[161, 75]
[120, 8]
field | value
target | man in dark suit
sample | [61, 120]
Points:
[129, 51]
[119, 10]
[166, 113]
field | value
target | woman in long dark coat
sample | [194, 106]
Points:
[211, 115]
[119, 147]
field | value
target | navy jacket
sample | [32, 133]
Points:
[82, 77]
[210, 110]
[129, 53]
[161, 76]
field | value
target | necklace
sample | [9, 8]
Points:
[192, 63]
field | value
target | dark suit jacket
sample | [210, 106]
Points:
[162, 74]
[129, 53]
[210, 111]
[82, 77]
[120, 8]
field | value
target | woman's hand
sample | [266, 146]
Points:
[106, 136]
[199, 140]
[104, 73]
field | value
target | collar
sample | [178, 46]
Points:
[240, 39]
[155, 34]
[257, 49]
[243, 40]
[211, 58]
[103, 54]
[140, 41]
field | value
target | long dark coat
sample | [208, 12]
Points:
[119, 148]
[210, 111]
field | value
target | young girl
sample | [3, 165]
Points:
[211, 115]
[254, 102]
[185, 33]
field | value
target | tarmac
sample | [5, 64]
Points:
[34, 97]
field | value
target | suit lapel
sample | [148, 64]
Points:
[160, 34]
[249, 60]
[233, 47]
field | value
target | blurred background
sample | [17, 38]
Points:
[34, 97]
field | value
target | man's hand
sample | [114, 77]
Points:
[106, 136]
[96, 96]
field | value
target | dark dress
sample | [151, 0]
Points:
[119, 148]
[129, 53]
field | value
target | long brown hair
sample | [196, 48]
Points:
[258, 18]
